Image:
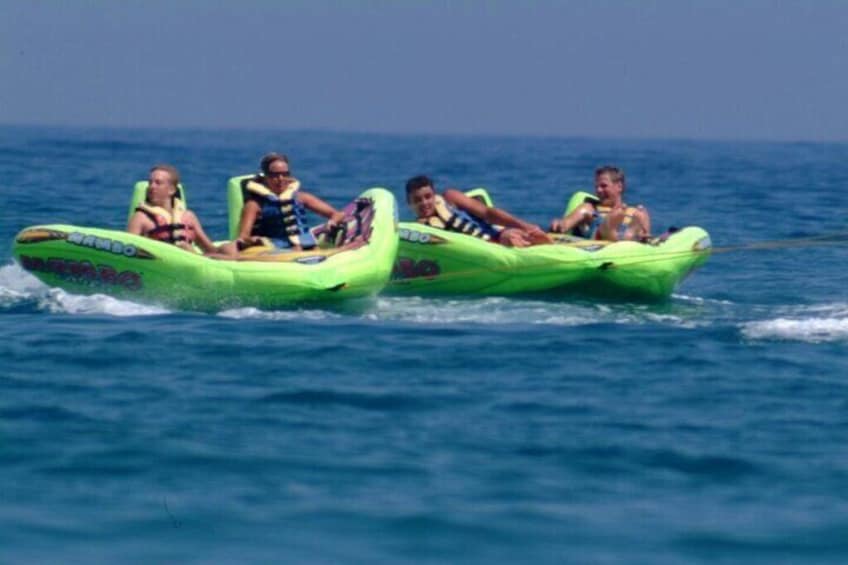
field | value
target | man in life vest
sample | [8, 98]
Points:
[607, 217]
[454, 211]
[275, 207]
[164, 217]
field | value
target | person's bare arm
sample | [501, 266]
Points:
[249, 212]
[579, 215]
[138, 224]
[644, 218]
[494, 215]
[226, 251]
[320, 207]
[200, 237]
[486, 213]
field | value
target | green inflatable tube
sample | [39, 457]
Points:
[435, 262]
[89, 260]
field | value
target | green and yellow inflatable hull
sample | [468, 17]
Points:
[90, 260]
[435, 262]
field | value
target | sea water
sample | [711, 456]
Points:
[709, 428]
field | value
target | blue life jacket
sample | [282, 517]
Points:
[282, 217]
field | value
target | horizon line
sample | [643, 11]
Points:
[421, 133]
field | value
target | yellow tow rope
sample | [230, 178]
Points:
[835, 238]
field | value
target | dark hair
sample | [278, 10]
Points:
[615, 174]
[417, 182]
[269, 158]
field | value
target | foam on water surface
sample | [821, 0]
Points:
[812, 324]
[19, 288]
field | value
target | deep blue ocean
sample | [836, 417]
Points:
[712, 428]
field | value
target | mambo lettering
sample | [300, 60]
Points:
[83, 271]
[406, 268]
[414, 236]
[106, 244]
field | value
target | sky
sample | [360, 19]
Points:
[744, 69]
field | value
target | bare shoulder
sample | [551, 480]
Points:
[458, 198]
[140, 217]
[139, 222]
[452, 194]
[189, 215]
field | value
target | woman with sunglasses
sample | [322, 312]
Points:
[164, 217]
[275, 209]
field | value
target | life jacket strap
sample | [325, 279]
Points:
[292, 212]
[450, 218]
[175, 229]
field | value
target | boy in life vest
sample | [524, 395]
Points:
[164, 217]
[454, 211]
[275, 210]
[607, 217]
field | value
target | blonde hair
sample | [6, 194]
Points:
[170, 169]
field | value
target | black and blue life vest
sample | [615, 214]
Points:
[282, 217]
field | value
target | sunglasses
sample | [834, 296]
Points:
[278, 174]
